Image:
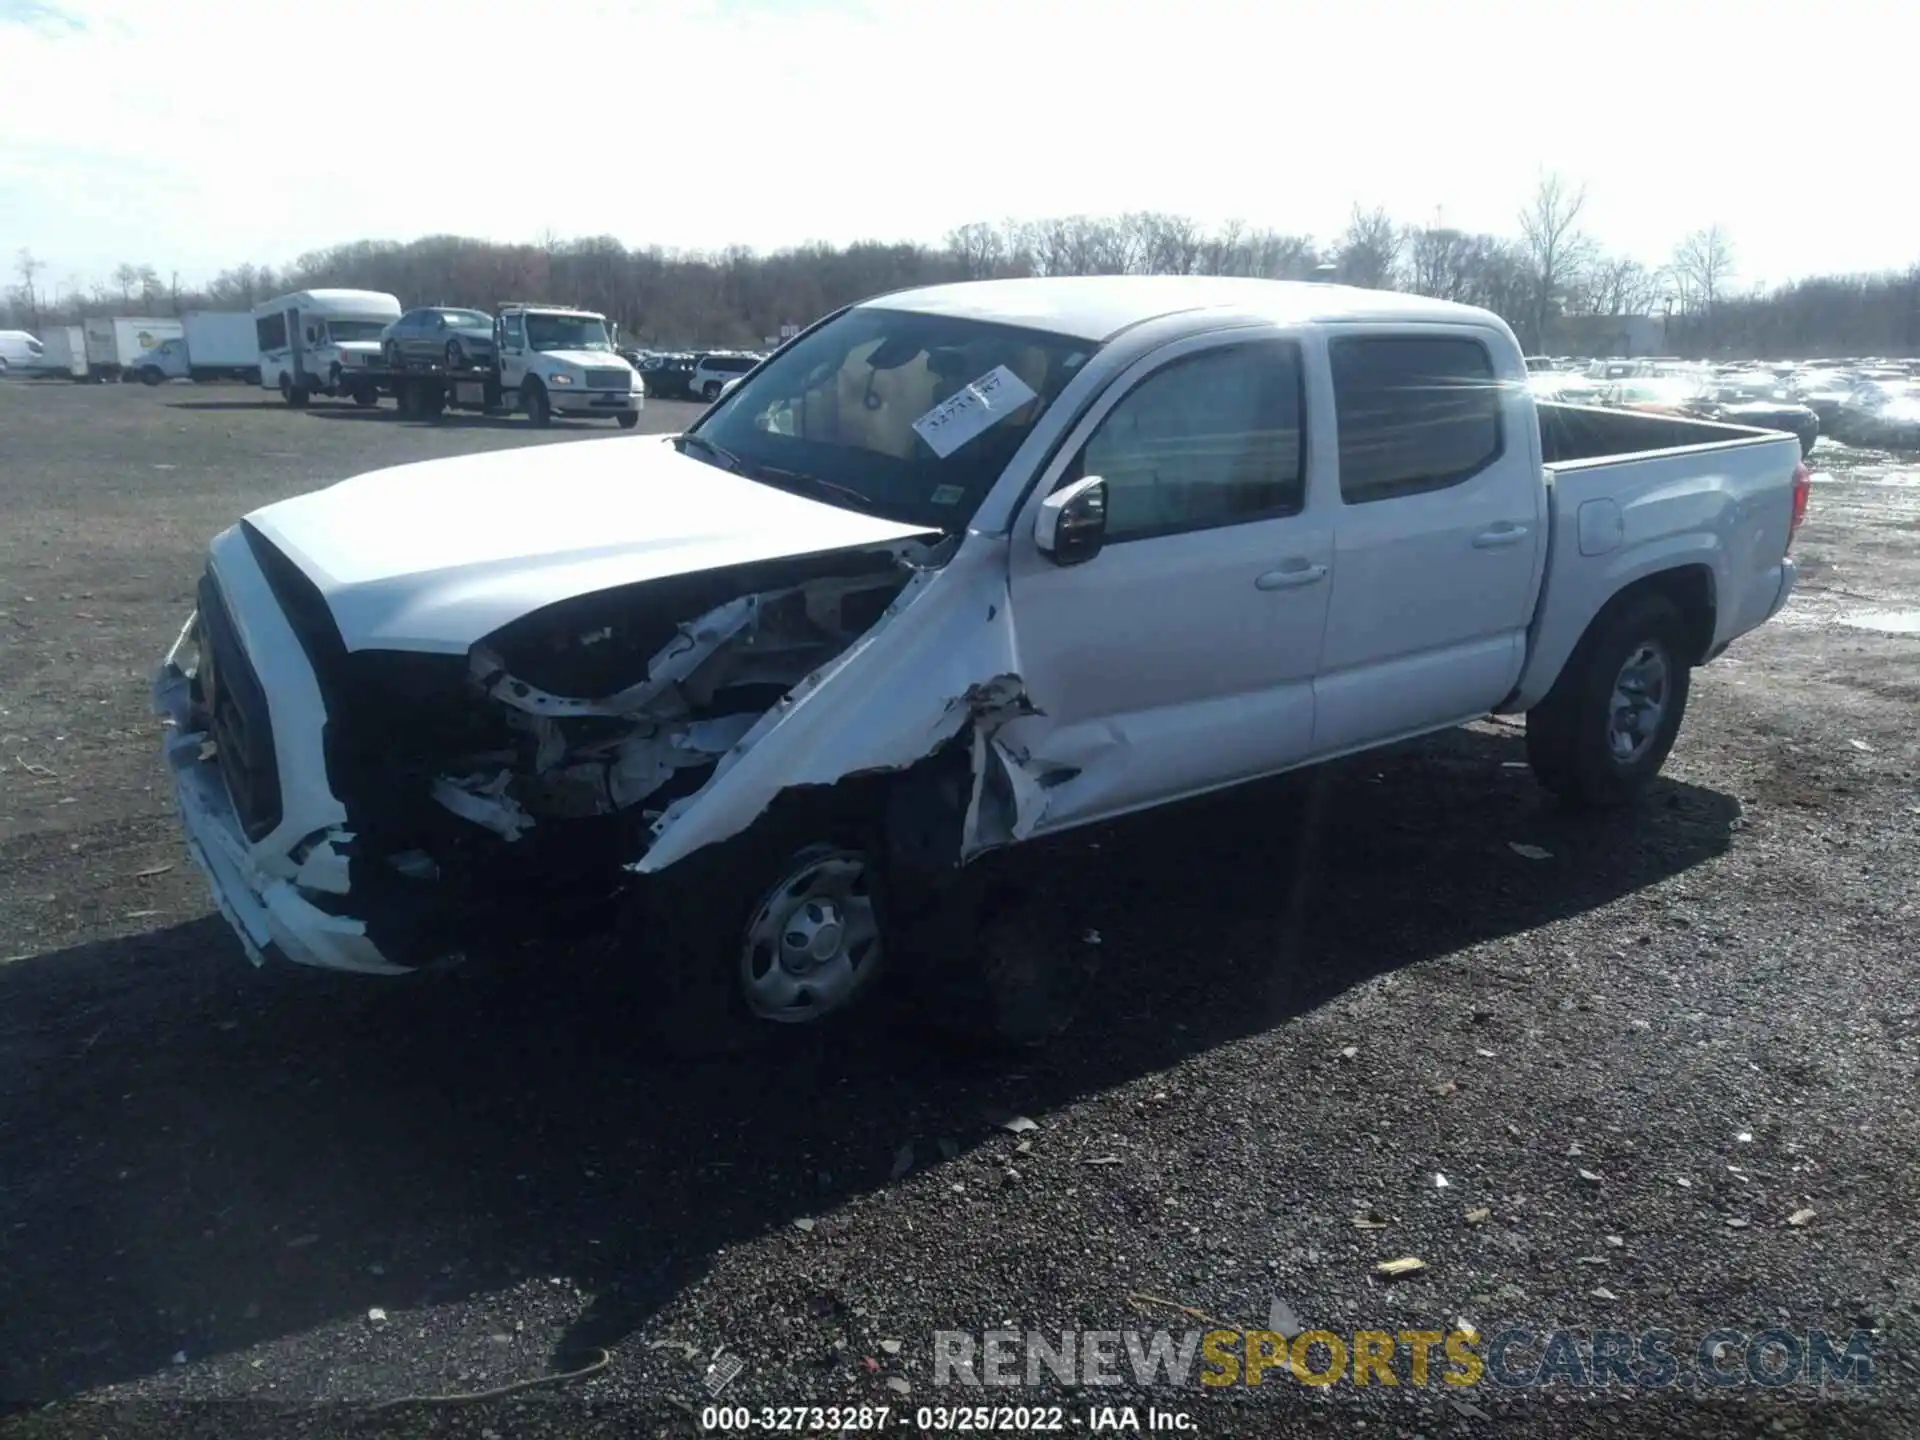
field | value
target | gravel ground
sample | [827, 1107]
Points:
[1639, 1054]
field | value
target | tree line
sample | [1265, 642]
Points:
[1541, 279]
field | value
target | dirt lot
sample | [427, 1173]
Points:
[1640, 1054]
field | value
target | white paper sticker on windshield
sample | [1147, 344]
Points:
[971, 410]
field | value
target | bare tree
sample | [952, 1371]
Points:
[1703, 264]
[1369, 249]
[1702, 268]
[126, 277]
[1556, 250]
[28, 269]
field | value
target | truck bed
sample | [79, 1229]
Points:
[1573, 434]
[1630, 494]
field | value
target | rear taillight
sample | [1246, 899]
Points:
[1802, 488]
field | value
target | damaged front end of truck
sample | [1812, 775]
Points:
[522, 792]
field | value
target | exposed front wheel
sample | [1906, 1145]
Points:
[456, 357]
[710, 392]
[150, 376]
[1605, 729]
[294, 395]
[629, 419]
[539, 408]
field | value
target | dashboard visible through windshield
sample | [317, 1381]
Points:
[905, 415]
[567, 332]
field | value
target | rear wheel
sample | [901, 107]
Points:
[1605, 729]
[365, 396]
[710, 392]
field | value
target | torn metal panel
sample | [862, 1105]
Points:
[922, 675]
[486, 803]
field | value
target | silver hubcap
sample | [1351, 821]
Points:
[814, 941]
[1639, 702]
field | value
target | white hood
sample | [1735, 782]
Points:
[584, 359]
[437, 555]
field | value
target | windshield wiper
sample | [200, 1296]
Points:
[725, 458]
[858, 499]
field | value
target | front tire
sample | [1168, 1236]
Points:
[710, 392]
[629, 419]
[151, 376]
[1599, 738]
[539, 408]
[755, 937]
[294, 395]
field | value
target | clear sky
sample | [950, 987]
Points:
[193, 135]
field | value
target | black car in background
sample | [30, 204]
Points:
[439, 335]
[668, 375]
[1758, 398]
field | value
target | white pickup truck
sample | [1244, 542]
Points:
[956, 568]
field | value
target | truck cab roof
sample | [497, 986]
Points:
[1098, 307]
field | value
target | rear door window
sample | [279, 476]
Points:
[1416, 413]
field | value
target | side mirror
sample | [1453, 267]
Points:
[1072, 525]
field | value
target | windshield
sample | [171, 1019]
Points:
[567, 332]
[338, 330]
[908, 416]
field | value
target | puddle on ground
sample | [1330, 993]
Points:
[1888, 622]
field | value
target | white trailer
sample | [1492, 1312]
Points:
[317, 342]
[115, 342]
[216, 345]
[66, 347]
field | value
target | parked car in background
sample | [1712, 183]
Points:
[1569, 387]
[1758, 398]
[439, 335]
[1824, 392]
[1653, 395]
[666, 375]
[1883, 414]
[713, 370]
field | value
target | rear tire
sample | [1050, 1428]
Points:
[1599, 738]
[710, 392]
[365, 396]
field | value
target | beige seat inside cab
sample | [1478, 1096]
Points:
[846, 410]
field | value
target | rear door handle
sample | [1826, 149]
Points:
[1505, 533]
[1289, 576]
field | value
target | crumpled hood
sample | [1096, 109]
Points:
[437, 555]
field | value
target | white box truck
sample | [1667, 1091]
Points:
[215, 345]
[319, 342]
[115, 342]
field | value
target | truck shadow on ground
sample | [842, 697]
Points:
[201, 1158]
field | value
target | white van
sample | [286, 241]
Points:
[310, 340]
[712, 371]
[20, 351]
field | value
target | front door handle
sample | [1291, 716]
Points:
[1289, 576]
[1505, 533]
